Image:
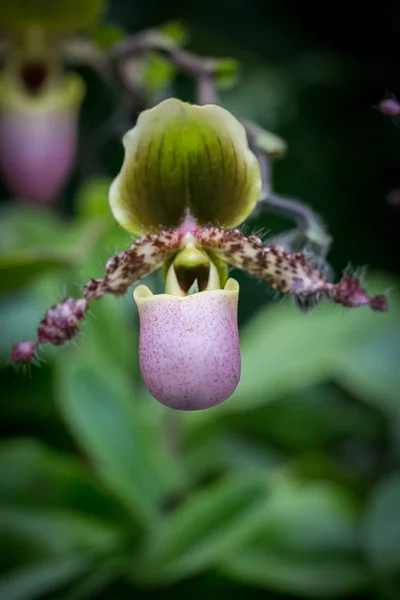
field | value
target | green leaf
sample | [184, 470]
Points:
[19, 269]
[382, 526]
[90, 585]
[157, 73]
[19, 316]
[109, 419]
[112, 327]
[215, 452]
[371, 370]
[37, 229]
[198, 533]
[114, 330]
[58, 531]
[270, 143]
[176, 32]
[92, 198]
[227, 73]
[312, 419]
[34, 242]
[306, 543]
[105, 35]
[323, 578]
[34, 581]
[32, 475]
[29, 227]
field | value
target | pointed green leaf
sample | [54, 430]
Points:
[176, 31]
[269, 142]
[58, 531]
[371, 369]
[211, 523]
[306, 544]
[382, 526]
[91, 584]
[226, 73]
[37, 580]
[35, 476]
[320, 578]
[105, 35]
[157, 73]
[110, 421]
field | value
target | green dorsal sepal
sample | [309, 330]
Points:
[185, 159]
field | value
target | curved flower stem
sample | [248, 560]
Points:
[309, 223]
[115, 65]
[206, 92]
[82, 50]
[61, 322]
[151, 40]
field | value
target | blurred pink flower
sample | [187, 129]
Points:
[39, 106]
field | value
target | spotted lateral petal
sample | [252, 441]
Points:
[61, 322]
[286, 272]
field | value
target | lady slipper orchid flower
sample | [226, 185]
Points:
[38, 129]
[187, 181]
[39, 101]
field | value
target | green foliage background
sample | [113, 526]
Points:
[291, 489]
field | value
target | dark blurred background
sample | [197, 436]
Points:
[289, 490]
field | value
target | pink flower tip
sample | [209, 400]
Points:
[389, 107]
[23, 352]
[350, 294]
[379, 303]
[393, 197]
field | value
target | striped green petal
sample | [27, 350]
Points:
[180, 160]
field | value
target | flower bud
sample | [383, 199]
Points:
[189, 346]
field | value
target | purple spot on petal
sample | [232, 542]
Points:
[189, 348]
